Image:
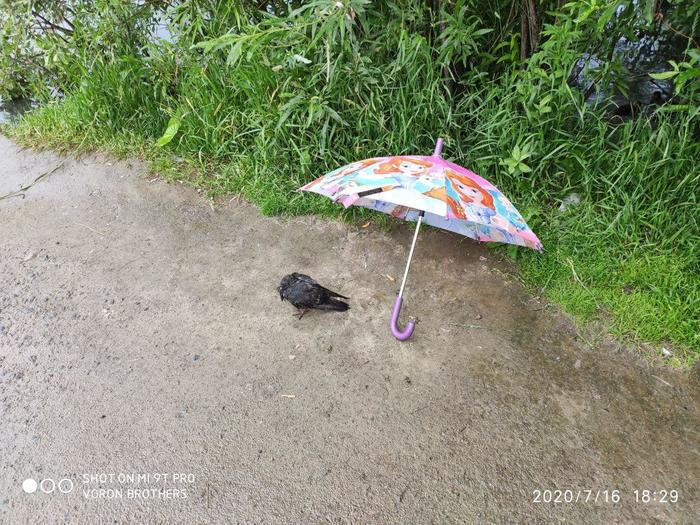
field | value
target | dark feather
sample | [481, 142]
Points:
[304, 293]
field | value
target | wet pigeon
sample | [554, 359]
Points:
[305, 293]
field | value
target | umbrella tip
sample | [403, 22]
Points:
[438, 148]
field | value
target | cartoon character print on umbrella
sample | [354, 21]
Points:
[496, 233]
[436, 191]
[393, 172]
[507, 214]
[467, 200]
[404, 166]
[333, 182]
[427, 183]
[369, 180]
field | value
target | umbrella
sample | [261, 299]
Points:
[427, 189]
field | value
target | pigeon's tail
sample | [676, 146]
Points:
[334, 304]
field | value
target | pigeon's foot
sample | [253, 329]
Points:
[301, 313]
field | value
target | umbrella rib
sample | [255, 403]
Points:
[410, 254]
[370, 192]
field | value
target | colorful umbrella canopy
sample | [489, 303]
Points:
[431, 190]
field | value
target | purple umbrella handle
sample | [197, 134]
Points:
[404, 334]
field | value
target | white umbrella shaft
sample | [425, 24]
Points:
[410, 255]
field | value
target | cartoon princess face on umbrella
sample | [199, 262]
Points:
[467, 200]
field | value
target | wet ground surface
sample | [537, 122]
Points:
[141, 333]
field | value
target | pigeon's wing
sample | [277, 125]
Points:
[317, 294]
[305, 295]
[331, 293]
[309, 281]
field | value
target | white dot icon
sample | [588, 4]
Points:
[29, 486]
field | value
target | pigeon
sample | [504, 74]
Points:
[305, 293]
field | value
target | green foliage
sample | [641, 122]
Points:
[461, 35]
[48, 46]
[259, 103]
[170, 131]
[515, 164]
[683, 73]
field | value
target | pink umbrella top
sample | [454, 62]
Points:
[451, 197]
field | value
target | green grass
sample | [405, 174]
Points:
[643, 296]
[260, 124]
